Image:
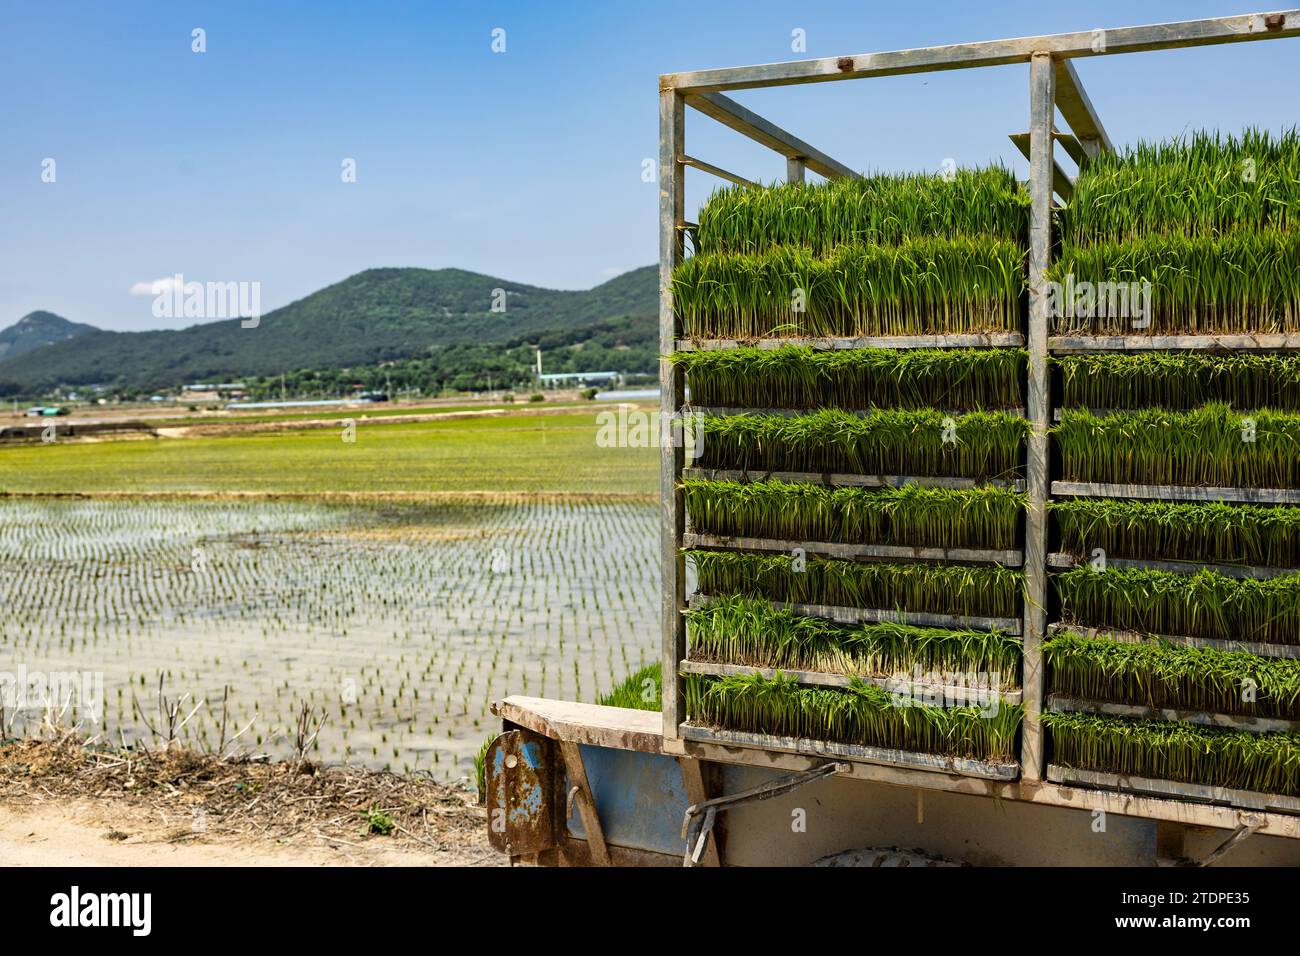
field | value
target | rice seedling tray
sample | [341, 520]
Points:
[1286, 651]
[806, 378]
[919, 689]
[1108, 382]
[1196, 792]
[848, 480]
[877, 209]
[862, 552]
[1058, 412]
[966, 340]
[1062, 704]
[723, 411]
[804, 746]
[1259, 536]
[1205, 605]
[1260, 496]
[1126, 343]
[1062, 561]
[863, 615]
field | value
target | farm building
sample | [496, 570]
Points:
[578, 379]
[991, 547]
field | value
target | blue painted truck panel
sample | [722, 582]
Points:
[640, 798]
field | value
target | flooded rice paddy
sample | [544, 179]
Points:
[399, 622]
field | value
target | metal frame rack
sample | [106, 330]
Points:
[1053, 85]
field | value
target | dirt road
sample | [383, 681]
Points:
[67, 832]
[62, 804]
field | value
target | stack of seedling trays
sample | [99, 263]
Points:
[855, 516]
[1174, 666]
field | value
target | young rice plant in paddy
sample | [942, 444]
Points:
[881, 210]
[1207, 220]
[1172, 675]
[913, 515]
[922, 442]
[1181, 380]
[740, 630]
[1255, 535]
[800, 377]
[862, 714]
[1166, 750]
[400, 621]
[924, 286]
[1204, 604]
[975, 591]
[1213, 445]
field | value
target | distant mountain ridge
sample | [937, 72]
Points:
[374, 316]
[36, 329]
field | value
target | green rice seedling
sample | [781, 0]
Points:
[1254, 535]
[980, 591]
[800, 377]
[1239, 282]
[1165, 750]
[748, 631]
[480, 767]
[1180, 380]
[1161, 674]
[883, 209]
[924, 286]
[642, 690]
[913, 515]
[862, 714]
[1205, 604]
[1213, 445]
[929, 443]
[1202, 184]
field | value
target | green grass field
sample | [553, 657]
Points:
[547, 453]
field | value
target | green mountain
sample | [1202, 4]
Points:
[374, 316]
[36, 329]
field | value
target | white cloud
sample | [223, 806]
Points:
[154, 286]
[610, 271]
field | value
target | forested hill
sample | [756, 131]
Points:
[374, 316]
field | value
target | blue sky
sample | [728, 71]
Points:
[225, 165]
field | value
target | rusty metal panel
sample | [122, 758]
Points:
[641, 798]
[520, 788]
